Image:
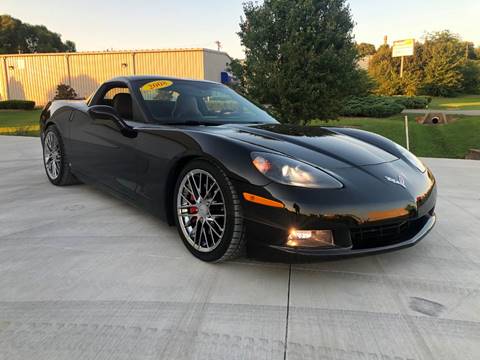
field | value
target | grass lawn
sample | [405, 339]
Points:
[467, 102]
[19, 118]
[22, 120]
[447, 141]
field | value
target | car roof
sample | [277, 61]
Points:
[155, 77]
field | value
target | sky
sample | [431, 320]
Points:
[158, 24]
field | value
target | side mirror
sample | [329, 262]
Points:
[104, 112]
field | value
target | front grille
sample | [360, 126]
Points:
[366, 237]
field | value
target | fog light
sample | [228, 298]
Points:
[310, 238]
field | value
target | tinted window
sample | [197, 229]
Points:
[177, 101]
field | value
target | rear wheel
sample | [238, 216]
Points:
[55, 159]
[207, 213]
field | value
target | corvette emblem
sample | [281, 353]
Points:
[400, 181]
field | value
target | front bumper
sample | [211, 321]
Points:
[369, 218]
[351, 250]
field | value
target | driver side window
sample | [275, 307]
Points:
[120, 99]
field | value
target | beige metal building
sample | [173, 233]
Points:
[36, 76]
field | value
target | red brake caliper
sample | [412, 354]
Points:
[192, 209]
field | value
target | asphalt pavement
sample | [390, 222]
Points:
[85, 276]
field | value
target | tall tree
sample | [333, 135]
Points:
[386, 71]
[470, 53]
[16, 36]
[300, 56]
[365, 49]
[438, 67]
[446, 57]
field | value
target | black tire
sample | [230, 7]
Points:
[65, 176]
[232, 243]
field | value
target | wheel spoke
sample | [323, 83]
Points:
[184, 207]
[205, 236]
[213, 230]
[199, 235]
[191, 189]
[186, 200]
[216, 223]
[210, 189]
[196, 186]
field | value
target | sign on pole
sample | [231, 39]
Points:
[402, 48]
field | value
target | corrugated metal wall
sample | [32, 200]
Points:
[213, 61]
[185, 64]
[88, 71]
[36, 76]
[3, 78]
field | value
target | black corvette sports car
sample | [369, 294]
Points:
[226, 173]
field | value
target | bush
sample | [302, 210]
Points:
[371, 106]
[65, 92]
[382, 106]
[413, 102]
[17, 104]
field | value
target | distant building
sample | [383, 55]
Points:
[36, 76]
[364, 62]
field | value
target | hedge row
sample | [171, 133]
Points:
[17, 104]
[412, 102]
[382, 106]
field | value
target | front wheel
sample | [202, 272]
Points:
[208, 213]
[55, 159]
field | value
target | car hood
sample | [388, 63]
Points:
[313, 144]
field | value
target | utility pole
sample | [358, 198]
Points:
[219, 45]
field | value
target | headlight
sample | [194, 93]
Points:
[288, 171]
[412, 158]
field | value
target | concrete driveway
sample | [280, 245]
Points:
[84, 276]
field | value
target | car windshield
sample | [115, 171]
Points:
[195, 102]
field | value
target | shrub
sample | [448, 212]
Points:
[382, 106]
[371, 106]
[17, 104]
[65, 92]
[413, 102]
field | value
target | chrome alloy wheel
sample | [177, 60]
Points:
[201, 210]
[52, 155]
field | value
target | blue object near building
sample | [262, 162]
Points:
[225, 77]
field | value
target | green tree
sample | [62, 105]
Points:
[445, 56]
[470, 53]
[438, 67]
[300, 56]
[365, 49]
[237, 69]
[385, 70]
[471, 77]
[16, 36]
